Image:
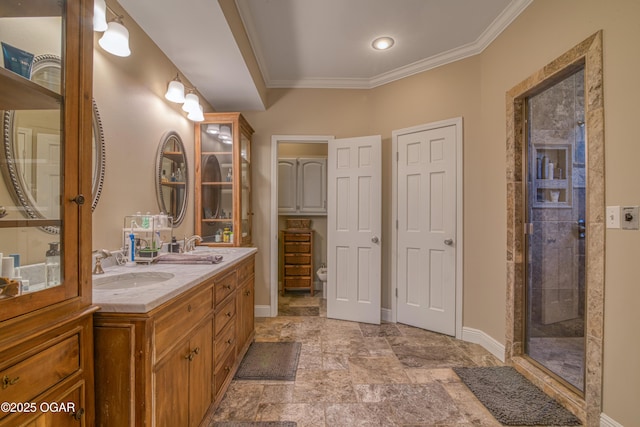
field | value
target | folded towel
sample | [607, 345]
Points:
[171, 258]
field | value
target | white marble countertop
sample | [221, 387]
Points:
[146, 297]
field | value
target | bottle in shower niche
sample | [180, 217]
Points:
[52, 265]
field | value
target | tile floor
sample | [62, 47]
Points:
[354, 374]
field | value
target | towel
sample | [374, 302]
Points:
[171, 258]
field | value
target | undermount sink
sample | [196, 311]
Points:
[131, 280]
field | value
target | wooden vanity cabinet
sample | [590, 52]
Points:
[46, 336]
[297, 264]
[168, 366]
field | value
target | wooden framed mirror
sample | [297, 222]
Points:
[172, 177]
[24, 133]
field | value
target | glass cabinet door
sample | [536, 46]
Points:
[40, 107]
[223, 180]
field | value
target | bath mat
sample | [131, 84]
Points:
[255, 424]
[270, 361]
[512, 399]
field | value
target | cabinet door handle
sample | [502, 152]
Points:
[228, 314]
[230, 341]
[79, 199]
[6, 381]
[78, 414]
[247, 293]
[196, 350]
[227, 286]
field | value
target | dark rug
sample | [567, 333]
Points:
[299, 311]
[270, 361]
[255, 424]
[512, 399]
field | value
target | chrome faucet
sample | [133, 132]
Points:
[101, 254]
[189, 243]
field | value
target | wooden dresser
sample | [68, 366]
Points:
[297, 259]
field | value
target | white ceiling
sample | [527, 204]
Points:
[317, 43]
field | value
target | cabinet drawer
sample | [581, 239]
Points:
[297, 270]
[224, 286]
[303, 248]
[297, 282]
[224, 315]
[245, 271]
[36, 374]
[297, 237]
[297, 259]
[223, 371]
[180, 318]
[224, 342]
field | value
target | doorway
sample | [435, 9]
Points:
[280, 144]
[587, 55]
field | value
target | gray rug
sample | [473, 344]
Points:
[255, 424]
[512, 399]
[270, 361]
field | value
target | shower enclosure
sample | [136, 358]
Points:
[555, 227]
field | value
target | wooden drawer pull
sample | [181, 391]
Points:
[247, 293]
[230, 341]
[228, 314]
[227, 368]
[6, 381]
[78, 414]
[227, 286]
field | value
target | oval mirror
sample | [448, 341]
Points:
[172, 177]
[20, 131]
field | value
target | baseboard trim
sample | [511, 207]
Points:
[477, 336]
[606, 421]
[386, 315]
[262, 311]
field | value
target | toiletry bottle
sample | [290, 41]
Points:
[179, 175]
[229, 175]
[132, 247]
[164, 176]
[52, 265]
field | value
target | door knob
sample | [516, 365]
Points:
[375, 239]
[448, 242]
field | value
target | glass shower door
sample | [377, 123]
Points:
[555, 210]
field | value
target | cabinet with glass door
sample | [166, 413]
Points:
[223, 180]
[45, 210]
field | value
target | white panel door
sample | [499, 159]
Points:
[48, 180]
[426, 263]
[354, 224]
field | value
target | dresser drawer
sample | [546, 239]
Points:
[245, 270]
[297, 237]
[224, 286]
[38, 373]
[180, 318]
[297, 282]
[303, 248]
[297, 270]
[297, 259]
[224, 315]
[225, 341]
[223, 371]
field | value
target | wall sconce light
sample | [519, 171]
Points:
[191, 102]
[115, 39]
[99, 15]
[196, 115]
[175, 91]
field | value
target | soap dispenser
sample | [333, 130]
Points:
[52, 265]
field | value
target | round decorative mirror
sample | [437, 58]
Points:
[172, 177]
[21, 130]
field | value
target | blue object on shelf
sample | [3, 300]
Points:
[17, 60]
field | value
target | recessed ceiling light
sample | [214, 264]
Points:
[382, 43]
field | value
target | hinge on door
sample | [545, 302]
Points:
[397, 156]
[397, 226]
[396, 292]
[528, 228]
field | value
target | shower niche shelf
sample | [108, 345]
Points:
[551, 170]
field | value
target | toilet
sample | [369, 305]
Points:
[322, 275]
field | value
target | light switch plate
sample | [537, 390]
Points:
[629, 217]
[613, 216]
